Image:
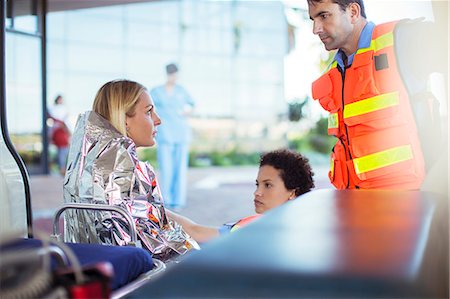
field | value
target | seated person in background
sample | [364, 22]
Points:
[283, 175]
[103, 168]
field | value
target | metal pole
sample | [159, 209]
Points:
[42, 15]
[4, 126]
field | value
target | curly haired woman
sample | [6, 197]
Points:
[283, 175]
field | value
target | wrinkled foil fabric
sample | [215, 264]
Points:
[103, 168]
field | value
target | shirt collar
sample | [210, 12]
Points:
[364, 42]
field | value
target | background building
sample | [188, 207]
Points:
[230, 53]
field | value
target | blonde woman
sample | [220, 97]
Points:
[103, 168]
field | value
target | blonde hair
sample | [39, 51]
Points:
[117, 99]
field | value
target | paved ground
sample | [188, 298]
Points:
[216, 195]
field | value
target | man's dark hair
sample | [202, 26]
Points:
[294, 168]
[58, 97]
[171, 68]
[343, 4]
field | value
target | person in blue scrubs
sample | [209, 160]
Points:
[173, 104]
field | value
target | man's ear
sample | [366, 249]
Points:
[355, 11]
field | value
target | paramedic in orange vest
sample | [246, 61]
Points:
[283, 176]
[369, 107]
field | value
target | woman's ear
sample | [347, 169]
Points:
[292, 195]
[127, 128]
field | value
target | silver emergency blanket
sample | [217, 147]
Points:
[103, 168]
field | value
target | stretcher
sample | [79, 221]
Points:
[324, 244]
[133, 266]
[126, 267]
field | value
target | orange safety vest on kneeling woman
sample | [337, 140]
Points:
[244, 222]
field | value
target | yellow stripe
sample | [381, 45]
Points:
[331, 66]
[332, 121]
[235, 227]
[381, 42]
[332, 167]
[384, 41]
[382, 159]
[379, 102]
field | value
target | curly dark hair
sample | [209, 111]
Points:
[294, 168]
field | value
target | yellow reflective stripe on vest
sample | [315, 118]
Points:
[330, 66]
[381, 42]
[382, 159]
[332, 167]
[333, 121]
[371, 104]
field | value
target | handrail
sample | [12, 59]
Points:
[98, 207]
[4, 126]
[158, 268]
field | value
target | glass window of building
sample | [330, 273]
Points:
[24, 81]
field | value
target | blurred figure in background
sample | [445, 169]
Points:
[173, 104]
[58, 110]
[59, 133]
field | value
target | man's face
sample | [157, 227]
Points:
[172, 77]
[333, 26]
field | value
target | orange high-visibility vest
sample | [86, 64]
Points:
[370, 114]
[244, 222]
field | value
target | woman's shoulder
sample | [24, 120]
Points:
[98, 137]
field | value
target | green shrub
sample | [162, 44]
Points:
[225, 158]
[317, 140]
[320, 143]
[148, 154]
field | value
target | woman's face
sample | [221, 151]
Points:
[270, 190]
[142, 126]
